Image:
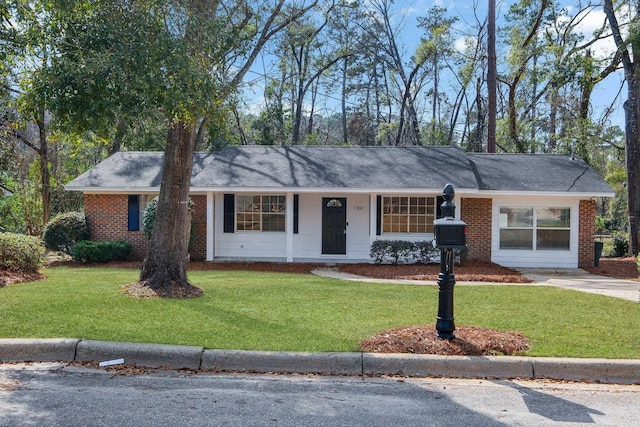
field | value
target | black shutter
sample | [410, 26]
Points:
[229, 211]
[296, 204]
[133, 212]
[379, 215]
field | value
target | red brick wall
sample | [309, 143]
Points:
[107, 218]
[198, 248]
[587, 227]
[477, 214]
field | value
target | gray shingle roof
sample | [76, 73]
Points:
[128, 170]
[536, 172]
[318, 167]
[338, 167]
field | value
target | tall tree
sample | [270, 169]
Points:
[437, 46]
[492, 78]
[182, 58]
[629, 50]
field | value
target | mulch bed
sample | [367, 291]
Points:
[468, 341]
[620, 268]
[471, 271]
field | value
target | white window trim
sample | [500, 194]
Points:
[261, 213]
[408, 214]
[534, 227]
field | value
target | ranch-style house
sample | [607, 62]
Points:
[328, 204]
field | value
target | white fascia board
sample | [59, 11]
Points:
[545, 194]
[114, 190]
[333, 190]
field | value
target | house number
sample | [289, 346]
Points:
[358, 208]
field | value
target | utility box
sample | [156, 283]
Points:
[450, 233]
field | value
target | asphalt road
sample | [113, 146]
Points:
[57, 395]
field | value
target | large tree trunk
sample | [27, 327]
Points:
[164, 268]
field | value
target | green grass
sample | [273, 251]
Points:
[270, 311]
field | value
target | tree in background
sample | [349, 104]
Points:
[629, 50]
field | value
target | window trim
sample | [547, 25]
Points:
[430, 207]
[535, 227]
[281, 202]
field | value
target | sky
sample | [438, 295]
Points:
[407, 12]
[604, 94]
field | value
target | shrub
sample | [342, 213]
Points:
[103, 251]
[402, 252]
[64, 230]
[21, 252]
[426, 252]
[149, 217]
[620, 246]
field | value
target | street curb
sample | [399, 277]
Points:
[341, 363]
[38, 349]
[448, 366]
[283, 362]
[596, 370]
[149, 355]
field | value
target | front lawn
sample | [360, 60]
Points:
[295, 312]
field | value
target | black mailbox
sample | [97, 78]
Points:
[450, 233]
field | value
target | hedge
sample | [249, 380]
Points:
[403, 252]
[103, 251]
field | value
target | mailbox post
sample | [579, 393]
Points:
[450, 234]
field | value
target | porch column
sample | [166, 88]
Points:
[210, 226]
[373, 217]
[289, 226]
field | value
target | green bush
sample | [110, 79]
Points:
[149, 217]
[426, 252]
[64, 230]
[21, 252]
[103, 251]
[620, 246]
[402, 252]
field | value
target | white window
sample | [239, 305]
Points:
[408, 214]
[535, 228]
[260, 213]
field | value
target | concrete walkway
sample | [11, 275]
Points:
[573, 278]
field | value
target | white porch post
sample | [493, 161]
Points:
[210, 226]
[289, 226]
[373, 216]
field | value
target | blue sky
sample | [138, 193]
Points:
[406, 13]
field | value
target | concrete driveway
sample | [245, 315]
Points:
[580, 280]
[567, 278]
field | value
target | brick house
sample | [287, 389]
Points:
[328, 204]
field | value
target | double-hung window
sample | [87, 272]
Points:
[535, 228]
[260, 213]
[408, 214]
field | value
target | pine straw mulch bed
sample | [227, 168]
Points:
[468, 341]
[470, 271]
